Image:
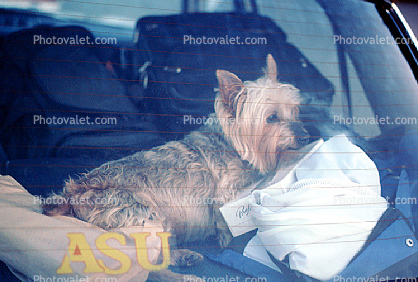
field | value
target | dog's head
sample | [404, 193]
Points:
[260, 118]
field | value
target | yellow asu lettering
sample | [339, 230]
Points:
[80, 251]
[113, 253]
[142, 253]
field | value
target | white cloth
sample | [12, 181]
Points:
[321, 213]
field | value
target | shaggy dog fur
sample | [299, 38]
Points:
[254, 123]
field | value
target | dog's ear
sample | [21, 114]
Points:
[229, 87]
[271, 68]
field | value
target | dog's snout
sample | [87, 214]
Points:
[304, 140]
[301, 134]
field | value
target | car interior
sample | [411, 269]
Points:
[149, 78]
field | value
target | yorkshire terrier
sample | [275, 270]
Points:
[255, 123]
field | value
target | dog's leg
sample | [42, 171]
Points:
[229, 188]
[178, 257]
[185, 257]
[223, 233]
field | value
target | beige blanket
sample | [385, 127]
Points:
[36, 246]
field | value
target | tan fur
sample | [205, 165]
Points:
[183, 183]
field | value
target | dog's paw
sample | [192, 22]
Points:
[185, 257]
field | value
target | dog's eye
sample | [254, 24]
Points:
[273, 119]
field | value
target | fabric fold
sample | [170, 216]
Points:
[323, 218]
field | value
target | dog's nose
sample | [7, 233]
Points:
[301, 134]
[304, 140]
